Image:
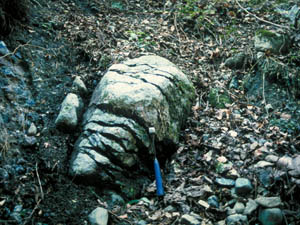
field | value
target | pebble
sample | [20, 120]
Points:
[70, 113]
[189, 220]
[268, 202]
[239, 207]
[251, 206]
[116, 199]
[236, 219]
[98, 216]
[32, 130]
[233, 174]
[263, 164]
[225, 182]
[271, 216]
[243, 186]
[265, 177]
[213, 201]
[272, 158]
[29, 141]
[79, 87]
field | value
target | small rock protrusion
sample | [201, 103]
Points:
[98, 216]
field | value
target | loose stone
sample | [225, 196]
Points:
[236, 219]
[239, 207]
[225, 182]
[251, 206]
[243, 186]
[189, 220]
[98, 216]
[268, 202]
[213, 201]
[32, 130]
[270, 216]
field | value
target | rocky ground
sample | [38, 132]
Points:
[236, 161]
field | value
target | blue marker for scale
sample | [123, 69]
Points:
[158, 178]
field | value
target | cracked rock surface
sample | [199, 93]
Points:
[149, 91]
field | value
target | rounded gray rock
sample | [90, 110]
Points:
[70, 113]
[98, 216]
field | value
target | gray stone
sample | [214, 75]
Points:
[270, 216]
[268, 202]
[32, 130]
[117, 199]
[243, 186]
[237, 61]
[98, 216]
[70, 113]
[189, 220]
[272, 158]
[263, 164]
[265, 177]
[239, 207]
[149, 91]
[29, 141]
[268, 40]
[213, 201]
[236, 219]
[251, 206]
[79, 87]
[225, 182]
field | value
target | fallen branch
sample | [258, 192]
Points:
[260, 19]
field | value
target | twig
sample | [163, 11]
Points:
[260, 19]
[15, 50]
[31, 214]
[37, 174]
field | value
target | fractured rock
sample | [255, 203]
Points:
[149, 91]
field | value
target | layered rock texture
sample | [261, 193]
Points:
[113, 148]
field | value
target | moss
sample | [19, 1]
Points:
[266, 33]
[218, 99]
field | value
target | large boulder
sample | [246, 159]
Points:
[113, 148]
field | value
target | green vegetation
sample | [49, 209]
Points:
[218, 99]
